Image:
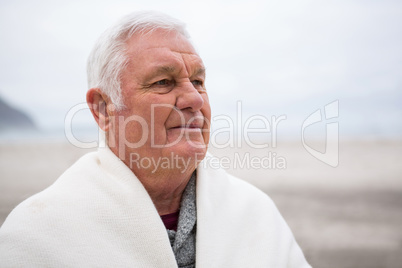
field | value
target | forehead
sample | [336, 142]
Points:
[162, 47]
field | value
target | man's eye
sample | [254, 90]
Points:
[197, 82]
[164, 82]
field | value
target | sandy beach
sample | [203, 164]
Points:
[347, 216]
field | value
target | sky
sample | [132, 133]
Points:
[272, 58]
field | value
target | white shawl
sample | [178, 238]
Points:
[98, 214]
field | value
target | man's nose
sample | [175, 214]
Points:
[189, 98]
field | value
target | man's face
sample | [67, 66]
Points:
[167, 108]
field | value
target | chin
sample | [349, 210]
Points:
[193, 150]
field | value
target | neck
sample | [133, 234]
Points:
[164, 186]
[166, 190]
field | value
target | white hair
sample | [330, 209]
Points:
[108, 57]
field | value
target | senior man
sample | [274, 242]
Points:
[145, 200]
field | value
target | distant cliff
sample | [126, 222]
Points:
[14, 119]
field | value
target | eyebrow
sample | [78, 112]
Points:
[199, 71]
[171, 69]
[157, 71]
[163, 69]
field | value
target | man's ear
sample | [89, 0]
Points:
[97, 102]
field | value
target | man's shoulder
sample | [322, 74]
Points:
[230, 210]
[73, 178]
[96, 195]
[89, 178]
[57, 193]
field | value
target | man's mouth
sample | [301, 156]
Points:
[187, 127]
[190, 126]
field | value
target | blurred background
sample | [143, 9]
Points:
[264, 60]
